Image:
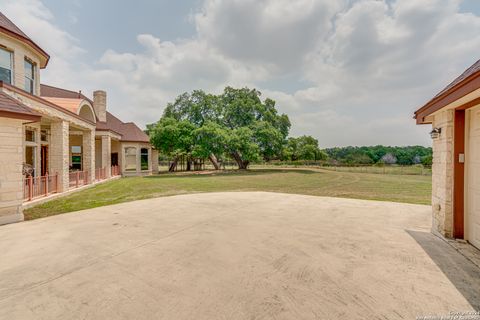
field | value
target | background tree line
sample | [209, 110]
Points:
[238, 125]
[380, 155]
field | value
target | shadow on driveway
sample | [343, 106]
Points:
[463, 273]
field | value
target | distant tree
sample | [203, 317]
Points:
[427, 161]
[303, 148]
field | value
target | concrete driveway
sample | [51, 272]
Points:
[234, 256]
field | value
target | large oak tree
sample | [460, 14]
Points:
[236, 123]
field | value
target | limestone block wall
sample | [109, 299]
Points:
[11, 178]
[59, 153]
[442, 177]
[154, 161]
[138, 146]
[106, 153]
[89, 153]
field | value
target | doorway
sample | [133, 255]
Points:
[44, 160]
[114, 159]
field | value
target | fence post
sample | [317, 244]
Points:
[46, 184]
[77, 176]
[30, 187]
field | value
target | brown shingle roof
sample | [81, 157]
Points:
[467, 73]
[10, 107]
[54, 92]
[464, 84]
[7, 26]
[129, 131]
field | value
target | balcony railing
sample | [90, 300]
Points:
[35, 187]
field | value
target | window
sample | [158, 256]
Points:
[30, 135]
[30, 156]
[29, 76]
[130, 159]
[76, 158]
[144, 158]
[76, 149]
[6, 66]
[44, 135]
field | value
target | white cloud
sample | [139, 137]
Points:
[364, 66]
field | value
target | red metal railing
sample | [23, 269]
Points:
[115, 171]
[34, 187]
[78, 178]
[100, 174]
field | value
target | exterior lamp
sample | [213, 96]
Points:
[435, 133]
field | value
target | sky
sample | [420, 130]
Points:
[348, 72]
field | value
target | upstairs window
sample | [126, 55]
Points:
[29, 76]
[6, 66]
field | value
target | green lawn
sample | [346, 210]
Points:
[317, 182]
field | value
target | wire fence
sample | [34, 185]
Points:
[373, 169]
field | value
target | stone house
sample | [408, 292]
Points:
[53, 140]
[454, 114]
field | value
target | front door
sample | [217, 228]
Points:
[472, 177]
[44, 160]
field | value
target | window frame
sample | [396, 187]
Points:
[11, 64]
[142, 154]
[27, 78]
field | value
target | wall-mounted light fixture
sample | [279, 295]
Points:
[435, 133]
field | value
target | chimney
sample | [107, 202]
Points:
[100, 104]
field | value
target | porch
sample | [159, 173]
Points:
[47, 185]
[60, 156]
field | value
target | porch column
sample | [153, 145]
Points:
[89, 154]
[442, 178]
[59, 153]
[154, 161]
[106, 154]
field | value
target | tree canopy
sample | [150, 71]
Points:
[303, 148]
[236, 123]
[381, 154]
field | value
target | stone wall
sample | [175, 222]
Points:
[138, 146]
[442, 177]
[11, 178]
[59, 153]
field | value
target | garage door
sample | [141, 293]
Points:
[472, 178]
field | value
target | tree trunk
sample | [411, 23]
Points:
[173, 165]
[214, 161]
[189, 165]
[242, 165]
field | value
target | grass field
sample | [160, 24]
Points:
[317, 182]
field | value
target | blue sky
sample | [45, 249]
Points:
[349, 72]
